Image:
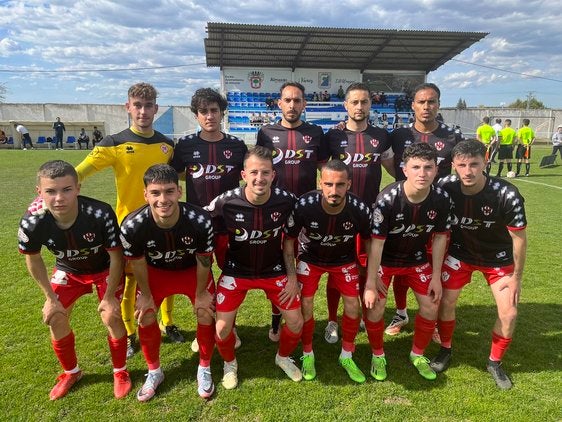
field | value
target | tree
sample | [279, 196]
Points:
[461, 104]
[533, 103]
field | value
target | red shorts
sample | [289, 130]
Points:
[164, 283]
[417, 277]
[69, 287]
[221, 245]
[344, 278]
[456, 274]
[231, 291]
[362, 254]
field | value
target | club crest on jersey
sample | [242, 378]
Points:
[347, 225]
[89, 237]
[307, 139]
[165, 148]
[187, 240]
[486, 210]
[227, 154]
[275, 215]
[439, 145]
[431, 214]
[374, 143]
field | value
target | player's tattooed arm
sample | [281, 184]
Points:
[204, 260]
[204, 300]
[291, 289]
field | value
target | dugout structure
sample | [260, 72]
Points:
[255, 60]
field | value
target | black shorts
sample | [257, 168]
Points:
[523, 152]
[505, 152]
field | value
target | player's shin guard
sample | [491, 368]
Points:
[509, 166]
[118, 350]
[307, 335]
[206, 341]
[423, 330]
[349, 328]
[500, 168]
[400, 287]
[518, 168]
[375, 333]
[149, 337]
[66, 352]
[226, 347]
[527, 168]
[333, 300]
[288, 341]
[275, 318]
[128, 303]
[499, 347]
[446, 329]
[166, 310]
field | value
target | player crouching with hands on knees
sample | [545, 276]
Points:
[83, 235]
[169, 245]
[406, 216]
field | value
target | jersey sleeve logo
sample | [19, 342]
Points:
[22, 236]
[165, 148]
[377, 216]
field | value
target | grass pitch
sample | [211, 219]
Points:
[464, 392]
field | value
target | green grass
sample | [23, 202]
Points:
[464, 392]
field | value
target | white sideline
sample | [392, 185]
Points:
[520, 179]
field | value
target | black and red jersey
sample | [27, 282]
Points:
[407, 227]
[211, 168]
[325, 239]
[362, 152]
[443, 139]
[296, 154]
[169, 249]
[480, 233]
[254, 232]
[80, 249]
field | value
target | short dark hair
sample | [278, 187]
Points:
[420, 150]
[498, 120]
[205, 96]
[469, 148]
[526, 122]
[160, 173]
[336, 165]
[486, 119]
[508, 121]
[294, 84]
[427, 85]
[260, 152]
[357, 86]
[143, 90]
[56, 168]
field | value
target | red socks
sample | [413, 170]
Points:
[446, 329]
[499, 347]
[288, 341]
[226, 347]
[423, 330]
[375, 332]
[206, 341]
[149, 338]
[307, 335]
[350, 327]
[118, 349]
[66, 352]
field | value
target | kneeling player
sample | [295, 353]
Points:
[254, 217]
[406, 215]
[83, 235]
[169, 245]
[489, 237]
[326, 223]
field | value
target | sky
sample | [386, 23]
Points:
[92, 51]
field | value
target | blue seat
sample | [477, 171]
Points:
[70, 139]
[41, 139]
[10, 140]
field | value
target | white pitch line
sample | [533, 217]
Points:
[519, 179]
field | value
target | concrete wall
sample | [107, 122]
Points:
[109, 118]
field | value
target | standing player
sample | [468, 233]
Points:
[364, 148]
[298, 150]
[425, 129]
[210, 161]
[82, 233]
[490, 237]
[254, 217]
[408, 215]
[130, 153]
[169, 246]
[326, 222]
[507, 135]
[525, 138]
[487, 135]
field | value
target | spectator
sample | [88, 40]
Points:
[270, 103]
[83, 138]
[59, 128]
[96, 136]
[3, 138]
[25, 138]
[341, 93]
[557, 141]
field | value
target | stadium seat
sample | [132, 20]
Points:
[41, 139]
[70, 139]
